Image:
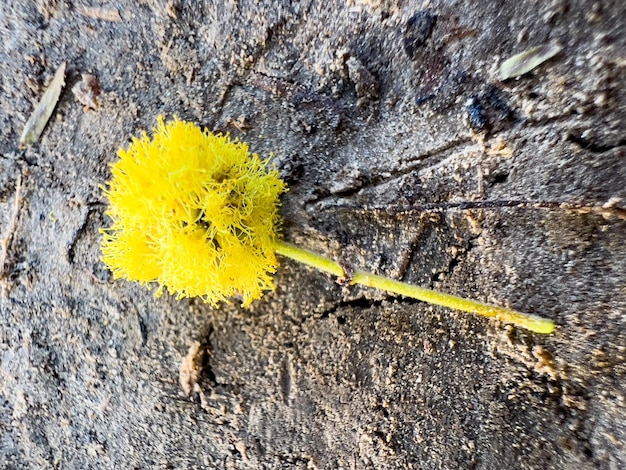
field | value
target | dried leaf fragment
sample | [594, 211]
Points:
[524, 62]
[191, 368]
[42, 112]
[87, 91]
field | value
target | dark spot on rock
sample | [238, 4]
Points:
[417, 31]
[592, 145]
[495, 98]
[476, 115]
[489, 111]
[421, 99]
[499, 179]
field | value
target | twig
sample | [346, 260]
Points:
[100, 13]
[608, 210]
[5, 244]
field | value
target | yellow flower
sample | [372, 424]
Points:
[193, 212]
[197, 214]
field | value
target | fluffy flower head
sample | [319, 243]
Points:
[193, 212]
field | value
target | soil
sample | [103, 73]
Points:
[371, 109]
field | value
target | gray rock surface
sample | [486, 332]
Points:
[368, 119]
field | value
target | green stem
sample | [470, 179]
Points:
[530, 322]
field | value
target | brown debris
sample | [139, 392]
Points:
[240, 123]
[87, 91]
[191, 368]
[100, 13]
[173, 8]
[545, 362]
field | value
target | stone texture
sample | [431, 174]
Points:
[318, 375]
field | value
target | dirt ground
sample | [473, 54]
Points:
[371, 110]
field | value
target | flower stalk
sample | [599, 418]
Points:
[524, 320]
